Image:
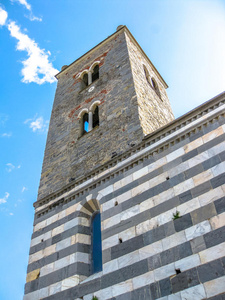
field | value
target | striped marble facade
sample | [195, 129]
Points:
[162, 210]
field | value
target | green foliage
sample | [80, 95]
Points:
[176, 215]
[94, 298]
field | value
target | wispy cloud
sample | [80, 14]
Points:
[37, 124]
[11, 214]
[24, 2]
[4, 199]
[24, 189]
[3, 16]
[29, 8]
[36, 68]
[5, 134]
[10, 167]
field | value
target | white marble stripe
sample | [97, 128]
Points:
[160, 219]
[158, 274]
[81, 238]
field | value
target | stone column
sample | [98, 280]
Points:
[89, 77]
[90, 121]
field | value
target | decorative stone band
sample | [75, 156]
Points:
[162, 139]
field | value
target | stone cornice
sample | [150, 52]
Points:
[156, 142]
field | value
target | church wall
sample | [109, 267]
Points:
[177, 171]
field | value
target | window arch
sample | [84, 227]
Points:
[84, 80]
[95, 117]
[155, 86]
[147, 76]
[85, 123]
[83, 120]
[89, 75]
[95, 73]
[96, 243]
[90, 217]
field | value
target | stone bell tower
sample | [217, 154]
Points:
[106, 102]
[115, 86]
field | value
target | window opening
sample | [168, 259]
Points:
[96, 243]
[147, 75]
[155, 86]
[95, 117]
[120, 240]
[85, 80]
[95, 74]
[85, 123]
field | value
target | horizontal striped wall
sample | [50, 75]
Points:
[138, 208]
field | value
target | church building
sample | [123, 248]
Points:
[131, 202]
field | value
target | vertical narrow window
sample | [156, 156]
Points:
[85, 123]
[96, 243]
[147, 75]
[85, 80]
[95, 74]
[95, 117]
[155, 86]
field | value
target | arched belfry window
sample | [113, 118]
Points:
[85, 80]
[95, 117]
[85, 123]
[95, 73]
[148, 78]
[155, 86]
[96, 243]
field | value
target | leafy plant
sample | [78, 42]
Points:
[94, 298]
[176, 215]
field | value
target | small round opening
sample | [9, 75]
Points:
[116, 203]
[178, 271]
[120, 240]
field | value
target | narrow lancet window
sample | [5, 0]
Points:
[85, 80]
[96, 243]
[85, 123]
[95, 117]
[95, 74]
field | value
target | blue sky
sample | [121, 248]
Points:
[184, 39]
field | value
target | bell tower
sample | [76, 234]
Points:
[106, 102]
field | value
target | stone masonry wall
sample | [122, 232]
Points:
[68, 156]
[154, 110]
[162, 221]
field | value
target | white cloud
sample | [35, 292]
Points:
[11, 167]
[3, 16]
[4, 199]
[11, 214]
[37, 124]
[37, 67]
[5, 134]
[28, 7]
[24, 2]
[24, 189]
